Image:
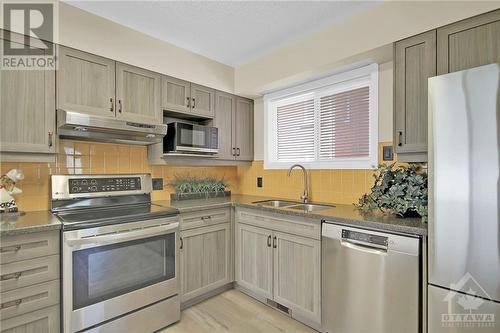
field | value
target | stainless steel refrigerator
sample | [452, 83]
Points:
[464, 208]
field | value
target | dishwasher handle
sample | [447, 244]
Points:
[363, 247]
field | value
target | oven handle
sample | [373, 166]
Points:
[123, 236]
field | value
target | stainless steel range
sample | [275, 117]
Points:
[119, 254]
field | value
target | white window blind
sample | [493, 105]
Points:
[345, 124]
[296, 131]
[328, 123]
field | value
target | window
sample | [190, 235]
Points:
[328, 123]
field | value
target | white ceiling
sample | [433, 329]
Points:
[231, 32]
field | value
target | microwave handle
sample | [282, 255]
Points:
[124, 236]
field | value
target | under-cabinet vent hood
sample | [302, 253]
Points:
[80, 126]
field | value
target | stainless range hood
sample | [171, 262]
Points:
[80, 126]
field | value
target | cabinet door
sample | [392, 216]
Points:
[175, 94]
[254, 260]
[297, 275]
[27, 101]
[415, 62]
[45, 320]
[243, 129]
[202, 101]
[85, 83]
[469, 43]
[138, 94]
[225, 106]
[204, 260]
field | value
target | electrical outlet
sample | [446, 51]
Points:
[259, 181]
[387, 153]
[157, 184]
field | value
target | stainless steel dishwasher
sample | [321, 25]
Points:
[370, 281]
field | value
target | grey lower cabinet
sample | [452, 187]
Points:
[205, 253]
[278, 259]
[186, 98]
[465, 44]
[30, 283]
[138, 94]
[27, 101]
[234, 119]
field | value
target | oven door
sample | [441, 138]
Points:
[112, 270]
[196, 138]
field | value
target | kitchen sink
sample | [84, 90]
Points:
[276, 203]
[310, 207]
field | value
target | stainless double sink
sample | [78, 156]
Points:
[293, 205]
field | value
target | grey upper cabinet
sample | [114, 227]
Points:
[469, 43]
[243, 129]
[202, 100]
[175, 94]
[414, 63]
[27, 101]
[192, 100]
[138, 94]
[234, 119]
[85, 83]
[225, 107]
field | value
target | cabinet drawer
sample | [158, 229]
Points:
[45, 320]
[19, 301]
[28, 246]
[24, 273]
[279, 222]
[205, 217]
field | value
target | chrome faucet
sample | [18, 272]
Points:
[305, 195]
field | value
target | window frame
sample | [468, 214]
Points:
[352, 79]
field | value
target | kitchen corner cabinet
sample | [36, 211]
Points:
[469, 43]
[138, 94]
[275, 259]
[27, 101]
[234, 119]
[192, 100]
[85, 83]
[414, 63]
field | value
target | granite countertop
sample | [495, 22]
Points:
[345, 214]
[29, 222]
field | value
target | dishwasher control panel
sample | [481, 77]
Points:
[364, 237]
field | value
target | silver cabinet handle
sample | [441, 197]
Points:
[274, 242]
[269, 241]
[14, 248]
[234, 151]
[188, 102]
[120, 105]
[12, 276]
[111, 107]
[400, 138]
[237, 151]
[50, 139]
[194, 103]
[206, 218]
[182, 243]
[10, 304]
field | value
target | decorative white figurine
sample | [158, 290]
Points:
[8, 189]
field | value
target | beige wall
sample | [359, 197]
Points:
[327, 50]
[91, 33]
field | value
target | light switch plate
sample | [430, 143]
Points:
[157, 184]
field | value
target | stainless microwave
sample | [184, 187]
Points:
[190, 138]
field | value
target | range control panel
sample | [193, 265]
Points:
[92, 185]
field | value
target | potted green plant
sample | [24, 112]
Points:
[397, 190]
[187, 187]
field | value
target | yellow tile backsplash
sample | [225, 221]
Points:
[332, 185]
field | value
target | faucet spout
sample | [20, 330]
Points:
[305, 195]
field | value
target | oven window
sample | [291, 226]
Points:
[107, 271]
[193, 137]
